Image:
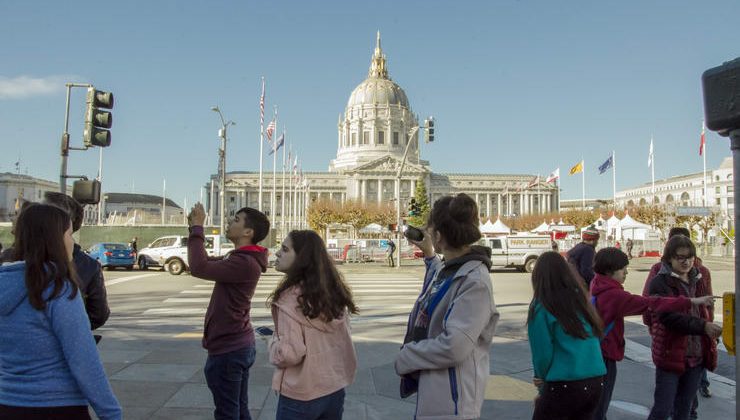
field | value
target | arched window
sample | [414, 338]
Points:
[685, 197]
[669, 198]
[656, 200]
[630, 203]
[642, 202]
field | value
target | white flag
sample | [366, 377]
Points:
[553, 176]
[650, 154]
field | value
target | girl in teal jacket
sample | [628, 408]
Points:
[564, 331]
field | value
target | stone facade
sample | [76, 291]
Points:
[372, 136]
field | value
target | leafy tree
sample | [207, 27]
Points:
[422, 200]
[320, 214]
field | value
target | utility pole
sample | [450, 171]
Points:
[222, 170]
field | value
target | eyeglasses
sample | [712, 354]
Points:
[683, 258]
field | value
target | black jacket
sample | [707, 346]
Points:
[92, 286]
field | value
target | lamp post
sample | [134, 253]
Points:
[428, 126]
[222, 169]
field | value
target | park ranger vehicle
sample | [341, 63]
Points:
[171, 252]
[517, 250]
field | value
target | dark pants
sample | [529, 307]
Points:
[674, 393]
[571, 400]
[72, 412]
[328, 407]
[391, 262]
[227, 376]
[704, 383]
[606, 396]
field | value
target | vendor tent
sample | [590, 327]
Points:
[543, 228]
[632, 229]
[498, 228]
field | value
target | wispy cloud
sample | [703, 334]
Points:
[22, 87]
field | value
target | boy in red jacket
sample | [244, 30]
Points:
[228, 335]
[614, 303]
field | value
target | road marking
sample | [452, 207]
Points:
[125, 279]
[629, 407]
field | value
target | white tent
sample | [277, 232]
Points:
[600, 223]
[373, 228]
[632, 229]
[543, 228]
[497, 228]
[612, 227]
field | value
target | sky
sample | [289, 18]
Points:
[516, 87]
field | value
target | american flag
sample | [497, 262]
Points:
[270, 129]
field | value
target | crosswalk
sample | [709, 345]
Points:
[382, 298]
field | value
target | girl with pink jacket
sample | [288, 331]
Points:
[312, 345]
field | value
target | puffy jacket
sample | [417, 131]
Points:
[314, 358]
[706, 277]
[453, 362]
[613, 303]
[670, 330]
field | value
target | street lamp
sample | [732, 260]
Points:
[222, 169]
[429, 127]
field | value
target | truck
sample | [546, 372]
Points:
[171, 252]
[517, 251]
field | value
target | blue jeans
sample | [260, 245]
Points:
[227, 376]
[674, 393]
[606, 396]
[328, 407]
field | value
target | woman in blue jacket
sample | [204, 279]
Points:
[564, 331]
[49, 366]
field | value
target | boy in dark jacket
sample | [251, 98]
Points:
[228, 335]
[92, 283]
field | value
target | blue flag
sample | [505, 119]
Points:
[606, 165]
[278, 143]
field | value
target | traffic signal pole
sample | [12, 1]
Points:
[399, 221]
[65, 140]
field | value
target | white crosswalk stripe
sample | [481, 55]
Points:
[381, 298]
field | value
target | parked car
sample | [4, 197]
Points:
[112, 255]
[171, 252]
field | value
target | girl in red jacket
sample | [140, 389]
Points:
[614, 303]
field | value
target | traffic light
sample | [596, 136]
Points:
[430, 129]
[97, 121]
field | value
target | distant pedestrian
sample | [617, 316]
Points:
[445, 355]
[613, 303]
[630, 245]
[684, 342]
[134, 246]
[391, 252]
[581, 256]
[564, 331]
[49, 366]
[554, 245]
[228, 335]
[311, 346]
[89, 271]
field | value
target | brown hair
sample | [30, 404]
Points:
[557, 289]
[456, 219]
[323, 290]
[675, 243]
[39, 241]
[70, 205]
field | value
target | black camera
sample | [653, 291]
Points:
[721, 87]
[414, 234]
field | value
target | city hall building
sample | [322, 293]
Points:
[372, 134]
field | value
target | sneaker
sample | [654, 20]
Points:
[705, 392]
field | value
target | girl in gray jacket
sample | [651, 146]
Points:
[445, 356]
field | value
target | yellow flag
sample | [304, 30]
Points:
[577, 169]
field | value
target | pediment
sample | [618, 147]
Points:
[389, 164]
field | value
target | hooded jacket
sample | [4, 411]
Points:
[670, 330]
[453, 362]
[48, 357]
[582, 257]
[313, 358]
[227, 324]
[706, 277]
[613, 303]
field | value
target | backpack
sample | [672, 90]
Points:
[608, 327]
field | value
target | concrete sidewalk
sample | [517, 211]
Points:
[163, 379]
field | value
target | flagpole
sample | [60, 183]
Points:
[614, 179]
[282, 193]
[539, 197]
[262, 140]
[583, 184]
[274, 162]
[652, 169]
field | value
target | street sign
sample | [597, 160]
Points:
[693, 211]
